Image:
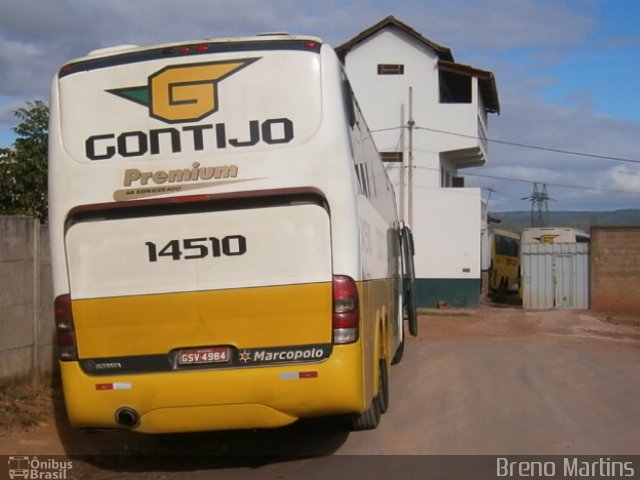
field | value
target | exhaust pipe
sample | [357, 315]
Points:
[127, 417]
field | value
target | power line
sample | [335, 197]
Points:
[521, 145]
[559, 185]
[537, 147]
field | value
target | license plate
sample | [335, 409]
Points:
[200, 356]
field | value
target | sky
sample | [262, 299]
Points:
[566, 71]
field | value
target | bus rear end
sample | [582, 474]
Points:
[195, 282]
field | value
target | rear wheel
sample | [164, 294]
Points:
[409, 277]
[399, 353]
[370, 418]
[411, 313]
[397, 358]
[383, 379]
[367, 420]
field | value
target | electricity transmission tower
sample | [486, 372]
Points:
[539, 206]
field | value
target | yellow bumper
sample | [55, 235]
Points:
[239, 398]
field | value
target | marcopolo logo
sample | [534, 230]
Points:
[183, 93]
[306, 353]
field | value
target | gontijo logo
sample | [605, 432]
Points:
[183, 93]
[187, 93]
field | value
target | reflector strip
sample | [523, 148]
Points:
[298, 375]
[113, 386]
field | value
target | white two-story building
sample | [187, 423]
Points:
[429, 118]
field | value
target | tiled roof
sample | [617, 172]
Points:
[443, 53]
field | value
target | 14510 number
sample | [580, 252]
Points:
[193, 248]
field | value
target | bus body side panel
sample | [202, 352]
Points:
[382, 322]
[379, 327]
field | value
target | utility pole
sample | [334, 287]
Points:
[539, 206]
[402, 175]
[410, 125]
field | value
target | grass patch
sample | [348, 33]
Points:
[22, 406]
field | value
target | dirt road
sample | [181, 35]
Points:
[513, 382]
[499, 381]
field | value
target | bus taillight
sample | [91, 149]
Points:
[346, 310]
[65, 329]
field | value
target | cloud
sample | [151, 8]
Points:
[38, 36]
[623, 177]
[519, 40]
[25, 69]
[40, 21]
[535, 123]
[498, 25]
[7, 116]
[8, 121]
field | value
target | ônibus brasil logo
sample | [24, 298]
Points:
[183, 93]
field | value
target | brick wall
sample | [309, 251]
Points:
[615, 269]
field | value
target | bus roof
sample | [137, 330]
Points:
[129, 53]
[553, 235]
[506, 233]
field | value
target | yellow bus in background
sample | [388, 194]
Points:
[554, 235]
[505, 261]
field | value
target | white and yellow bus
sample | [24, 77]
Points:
[554, 235]
[505, 261]
[225, 244]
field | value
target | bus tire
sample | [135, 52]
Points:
[370, 418]
[409, 280]
[383, 379]
[397, 357]
[411, 313]
[367, 420]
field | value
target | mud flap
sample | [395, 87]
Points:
[408, 279]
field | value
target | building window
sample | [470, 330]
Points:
[390, 69]
[454, 87]
[391, 156]
[457, 182]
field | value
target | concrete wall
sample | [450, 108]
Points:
[447, 242]
[615, 269]
[26, 305]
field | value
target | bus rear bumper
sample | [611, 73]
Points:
[212, 417]
[207, 400]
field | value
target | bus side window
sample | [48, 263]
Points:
[350, 110]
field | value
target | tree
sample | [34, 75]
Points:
[23, 170]
[7, 158]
